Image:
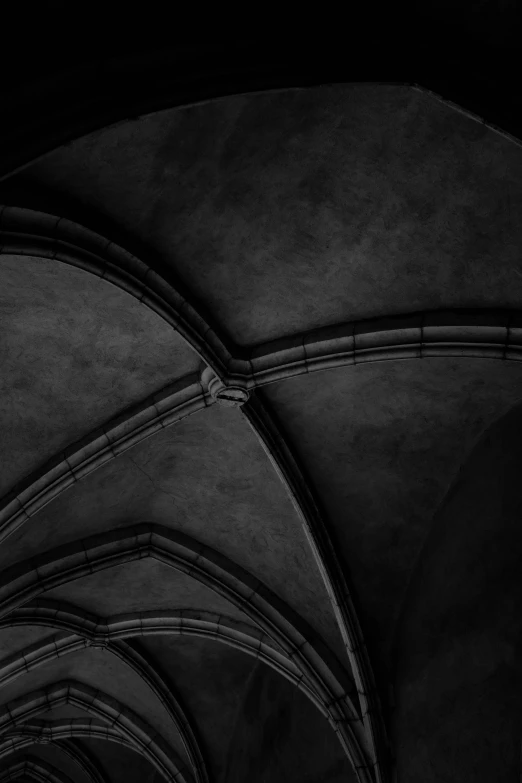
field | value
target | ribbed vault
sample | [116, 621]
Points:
[247, 346]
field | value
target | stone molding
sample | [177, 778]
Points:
[158, 411]
[331, 685]
[120, 718]
[78, 634]
[45, 732]
[299, 489]
[83, 758]
[233, 373]
[80, 630]
[480, 333]
[33, 768]
[27, 232]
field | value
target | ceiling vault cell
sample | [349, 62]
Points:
[300, 490]
[43, 732]
[37, 234]
[158, 411]
[128, 725]
[84, 759]
[328, 684]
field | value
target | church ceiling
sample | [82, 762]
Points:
[247, 345]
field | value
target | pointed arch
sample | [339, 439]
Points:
[330, 681]
[35, 769]
[83, 759]
[123, 720]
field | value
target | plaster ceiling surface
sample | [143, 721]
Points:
[75, 351]
[217, 497]
[212, 674]
[16, 638]
[141, 587]
[286, 211]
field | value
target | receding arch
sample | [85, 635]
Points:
[85, 631]
[39, 234]
[50, 649]
[35, 769]
[44, 732]
[83, 759]
[110, 633]
[480, 333]
[128, 725]
[82, 630]
[63, 564]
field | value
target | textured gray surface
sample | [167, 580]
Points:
[382, 444]
[208, 477]
[459, 644]
[59, 761]
[122, 765]
[142, 586]
[291, 210]
[279, 736]
[74, 351]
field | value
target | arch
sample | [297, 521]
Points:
[45, 732]
[35, 769]
[63, 564]
[160, 410]
[465, 334]
[144, 739]
[473, 333]
[84, 631]
[111, 631]
[109, 634]
[78, 754]
[299, 489]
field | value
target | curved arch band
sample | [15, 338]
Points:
[33, 769]
[302, 646]
[120, 718]
[78, 754]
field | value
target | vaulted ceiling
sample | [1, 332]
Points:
[257, 356]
